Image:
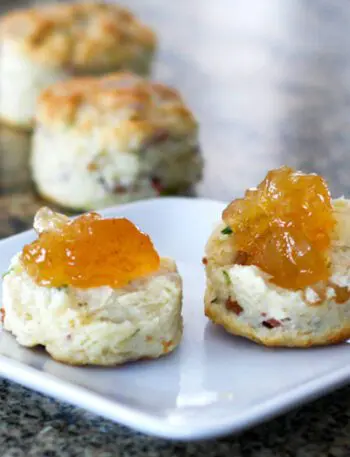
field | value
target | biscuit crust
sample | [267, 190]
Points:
[218, 314]
[122, 103]
[80, 35]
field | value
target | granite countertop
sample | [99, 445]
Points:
[269, 81]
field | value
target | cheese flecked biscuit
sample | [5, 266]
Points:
[243, 300]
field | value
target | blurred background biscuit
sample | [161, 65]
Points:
[110, 140]
[42, 45]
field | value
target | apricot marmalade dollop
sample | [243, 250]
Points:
[284, 227]
[90, 252]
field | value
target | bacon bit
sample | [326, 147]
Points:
[149, 338]
[2, 314]
[205, 261]
[271, 323]
[156, 184]
[241, 258]
[342, 294]
[263, 314]
[120, 189]
[159, 136]
[233, 306]
[166, 346]
[92, 166]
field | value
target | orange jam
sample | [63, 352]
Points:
[284, 227]
[90, 252]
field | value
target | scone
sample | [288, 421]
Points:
[93, 291]
[104, 141]
[45, 44]
[278, 264]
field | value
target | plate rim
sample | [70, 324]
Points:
[82, 397]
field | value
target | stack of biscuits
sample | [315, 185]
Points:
[76, 76]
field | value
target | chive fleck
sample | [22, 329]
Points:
[227, 277]
[226, 231]
[6, 273]
[130, 336]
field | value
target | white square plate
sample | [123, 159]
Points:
[214, 383]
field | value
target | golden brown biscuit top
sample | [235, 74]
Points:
[122, 104]
[87, 34]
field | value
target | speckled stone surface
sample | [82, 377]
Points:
[32, 425]
[269, 81]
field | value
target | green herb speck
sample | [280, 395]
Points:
[214, 300]
[130, 336]
[169, 191]
[6, 273]
[226, 231]
[227, 277]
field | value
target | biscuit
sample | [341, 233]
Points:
[242, 300]
[42, 45]
[99, 326]
[114, 139]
